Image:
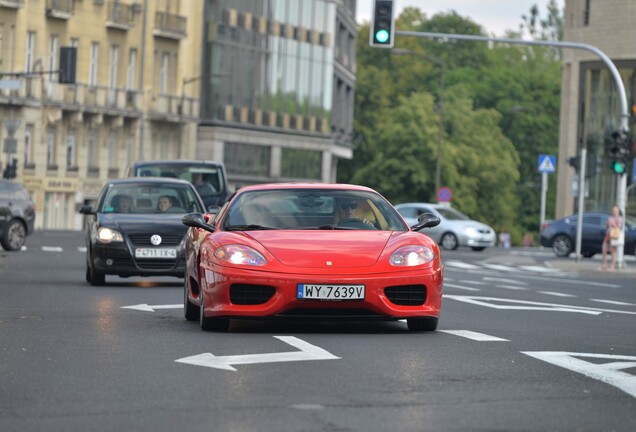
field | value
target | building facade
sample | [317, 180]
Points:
[129, 101]
[590, 110]
[277, 88]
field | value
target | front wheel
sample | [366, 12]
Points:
[211, 324]
[422, 324]
[562, 245]
[478, 248]
[14, 236]
[93, 277]
[191, 311]
[449, 241]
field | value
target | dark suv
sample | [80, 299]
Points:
[17, 215]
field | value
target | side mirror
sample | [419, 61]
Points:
[426, 220]
[196, 220]
[87, 210]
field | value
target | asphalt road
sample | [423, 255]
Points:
[527, 342]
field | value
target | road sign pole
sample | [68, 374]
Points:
[544, 191]
[581, 201]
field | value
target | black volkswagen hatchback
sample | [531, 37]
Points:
[135, 229]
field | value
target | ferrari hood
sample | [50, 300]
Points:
[312, 249]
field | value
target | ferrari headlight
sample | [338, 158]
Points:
[409, 256]
[240, 255]
[107, 235]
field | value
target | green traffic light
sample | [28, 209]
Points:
[382, 36]
[618, 167]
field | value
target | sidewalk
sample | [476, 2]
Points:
[592, 265]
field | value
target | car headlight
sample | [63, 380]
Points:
[107, 235]
[409, 256]
[240, 254]
[470, 231]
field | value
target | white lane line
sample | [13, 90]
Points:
[500, 267]
[481, 337]
[565, 280]
[507, 281]
[474, 282]
[52, 249]
[23, 248]
[511, 287]
[460, 264]
[82, 249]
[542, 269]
[556, 294]
[460, 287]
[612, 302]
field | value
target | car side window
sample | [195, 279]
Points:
[592, 220]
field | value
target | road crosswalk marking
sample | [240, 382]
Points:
[476, 336]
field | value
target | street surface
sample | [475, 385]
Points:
[526, 342]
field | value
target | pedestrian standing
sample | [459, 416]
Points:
[612, 238]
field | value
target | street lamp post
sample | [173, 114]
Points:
[440, 127]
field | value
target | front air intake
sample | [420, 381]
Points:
[247, 294]
[406, 295]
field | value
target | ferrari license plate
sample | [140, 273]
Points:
[155, 253]
[330, 292]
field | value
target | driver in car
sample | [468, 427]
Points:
[346, 210]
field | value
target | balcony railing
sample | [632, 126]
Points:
[120, 15]
[169, 26]
[62, 9]
[12, 4]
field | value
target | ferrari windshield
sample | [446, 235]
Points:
[150, 198]
[312, 209]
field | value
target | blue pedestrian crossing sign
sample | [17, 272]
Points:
[547, 163]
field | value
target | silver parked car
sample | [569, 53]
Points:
[456, 229]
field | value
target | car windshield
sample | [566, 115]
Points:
[150, 198]
[311, 209]
[451, 214]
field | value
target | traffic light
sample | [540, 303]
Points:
[619, 152]
[10, 171]
[575, 162]
[382, 30]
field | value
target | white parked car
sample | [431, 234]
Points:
[456, 229]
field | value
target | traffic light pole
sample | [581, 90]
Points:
[621, 186]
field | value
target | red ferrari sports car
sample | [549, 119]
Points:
[306, 250]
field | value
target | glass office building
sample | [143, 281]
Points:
[277, 88]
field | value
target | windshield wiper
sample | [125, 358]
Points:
[247, 228]
[332, 227]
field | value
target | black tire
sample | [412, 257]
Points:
[588, 254]
[562, 245]
[93, 277]
[478, 248]
[422, 324]
[449, 241]
[14, 236]
[190, 311]
[212, 324]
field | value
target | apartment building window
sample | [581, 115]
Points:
[132, 65]
[53, 47]
[114, 67]
[248, 159]
[28, 145]
[299, 163]
[92, 149]
[30, 51]
[93, 64]
[163, 73]
[50, 147]
[70, 149]
[586, 13]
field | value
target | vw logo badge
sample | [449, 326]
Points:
[155, 239]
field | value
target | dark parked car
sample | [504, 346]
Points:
[560, 235]
[130, 232]
[17, 215]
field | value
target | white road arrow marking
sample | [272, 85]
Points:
[307, 352]
[496, 303]
[610, 373]
[151, 308]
